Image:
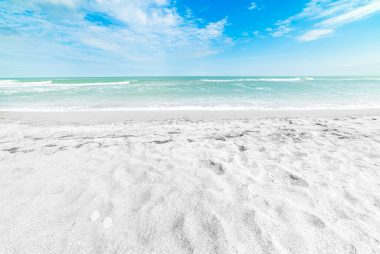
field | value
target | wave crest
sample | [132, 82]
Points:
[50, 83]
[256, 80]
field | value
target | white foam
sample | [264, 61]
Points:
[254, 80]
[262, 88]
[50, 83]
[15, 83]
[7, 81]
[292, 79]
[349, 79]
[69, 108]
[281, 79]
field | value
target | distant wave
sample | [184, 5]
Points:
[257, 80]
[112, 83]
[5, 81]
[49, 83]
[262, 88]
[359, 79]
[295, 79]
[12, 83]
[281, 79]
[347, 78]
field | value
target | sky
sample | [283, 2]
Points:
[60, 38]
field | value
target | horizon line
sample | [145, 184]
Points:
[181, 76]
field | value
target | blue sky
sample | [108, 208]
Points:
[189, 37]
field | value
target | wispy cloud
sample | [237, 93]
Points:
[68, 3]
[325, 16]
[315, 34]
[282, 28]
[252, 6]
[131, 29]
[353, 15]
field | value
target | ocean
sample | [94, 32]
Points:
[188, 93]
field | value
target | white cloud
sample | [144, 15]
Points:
[162, 2]
[214, 30]
[147, 28]
[281, 30]
[100, 43]
[252, 6]
[67, 3]
[315, 34]
[141, 13]
[158, 26]
[257, 34]
[326, 16]
[317, 9]
[353, 15]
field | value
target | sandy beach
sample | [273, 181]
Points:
[219, 182]
[195, 127]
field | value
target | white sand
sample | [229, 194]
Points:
[283, 185]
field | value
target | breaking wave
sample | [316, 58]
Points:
[257, 80]
[50, 83]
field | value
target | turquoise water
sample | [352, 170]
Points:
[50, 94]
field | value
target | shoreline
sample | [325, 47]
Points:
[120, 116]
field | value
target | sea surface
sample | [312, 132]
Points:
[187, 93]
